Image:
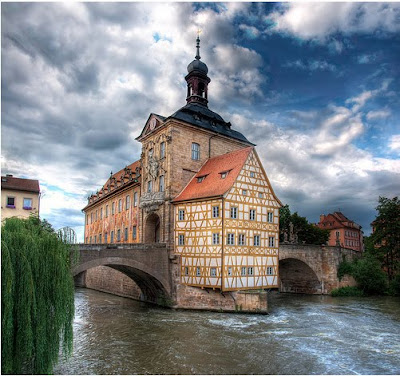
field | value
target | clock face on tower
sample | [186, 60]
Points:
[153, 123]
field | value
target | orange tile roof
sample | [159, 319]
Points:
[19, 184]
[118, 175]
[213, 185]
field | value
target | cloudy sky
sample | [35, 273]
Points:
[314, 85]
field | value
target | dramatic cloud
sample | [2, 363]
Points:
[79, 80]
[321, 20]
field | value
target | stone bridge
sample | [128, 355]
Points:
[311, 269]
[146, 264]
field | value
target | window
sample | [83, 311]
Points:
[96, 214]
[260, 195]
[213, 272]
[224, 174]
[271, 241]
[135, 199]
[252, 214]
[27, 203]
[91, 217]
[90, 240]
[270, 217]
[270, 270]
[100, 238]
[162, 150]
[198, 271]
[181, 215]
[250, 270]
[161, 188]
[241, 239]
[256, 240]
[127, 202]
[201, 178]
[126, 234]
[113, 208]
[106, 211]
[149, 186]
[230, 270]
[11, 202]
[101, 213]
[134, 230]
[95, 239]
[186, 270]
[215, 211]
[243, 270]
[251, 174]
[105, 237]
[244, 192]
[231, 239]
[195, 151]
[181, 239]
[119, 206]
[87, 240]
[233, 212]
[216, 238]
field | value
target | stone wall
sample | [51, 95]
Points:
[103, 278]
[213, 300]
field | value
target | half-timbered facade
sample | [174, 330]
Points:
[227, 225]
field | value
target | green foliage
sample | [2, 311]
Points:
[344, 268]
[394, 286]
[369, 276]
[306, 232]
[386, 236]
[347, 291]
[37, 297]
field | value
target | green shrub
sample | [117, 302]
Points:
[344, 268]
[347, 291]
[394, 286]
[370, 278]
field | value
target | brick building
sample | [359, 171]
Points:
[343, 231]
[192, 163]
[19, 197]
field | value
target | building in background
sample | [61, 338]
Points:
[343, 231]
[200, 188]
[19, 197]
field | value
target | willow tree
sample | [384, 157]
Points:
[37, 297]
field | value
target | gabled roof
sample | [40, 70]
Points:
[213, 185]
[19, 184]
[146, 127]
[337, 220]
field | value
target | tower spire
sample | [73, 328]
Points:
[198, 45]
[197, 79]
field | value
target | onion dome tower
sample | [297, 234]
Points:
[197, 79]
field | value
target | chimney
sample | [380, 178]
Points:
[321, 217]
[9, 176]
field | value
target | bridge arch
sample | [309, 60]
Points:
[297, 276]
[154, 289]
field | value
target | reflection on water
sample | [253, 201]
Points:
[302, 335]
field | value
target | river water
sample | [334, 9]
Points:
[301, 335]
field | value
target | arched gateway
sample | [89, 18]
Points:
[152, 228]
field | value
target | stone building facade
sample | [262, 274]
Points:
[175, 149]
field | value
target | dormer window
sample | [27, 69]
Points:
[224, 174]
[201, 178]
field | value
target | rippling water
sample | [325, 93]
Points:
[302, 335]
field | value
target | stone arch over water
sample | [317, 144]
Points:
[154, 289]
[298, 277]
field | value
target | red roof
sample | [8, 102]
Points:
[118, 175]
[18, 184]
[213, 184]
